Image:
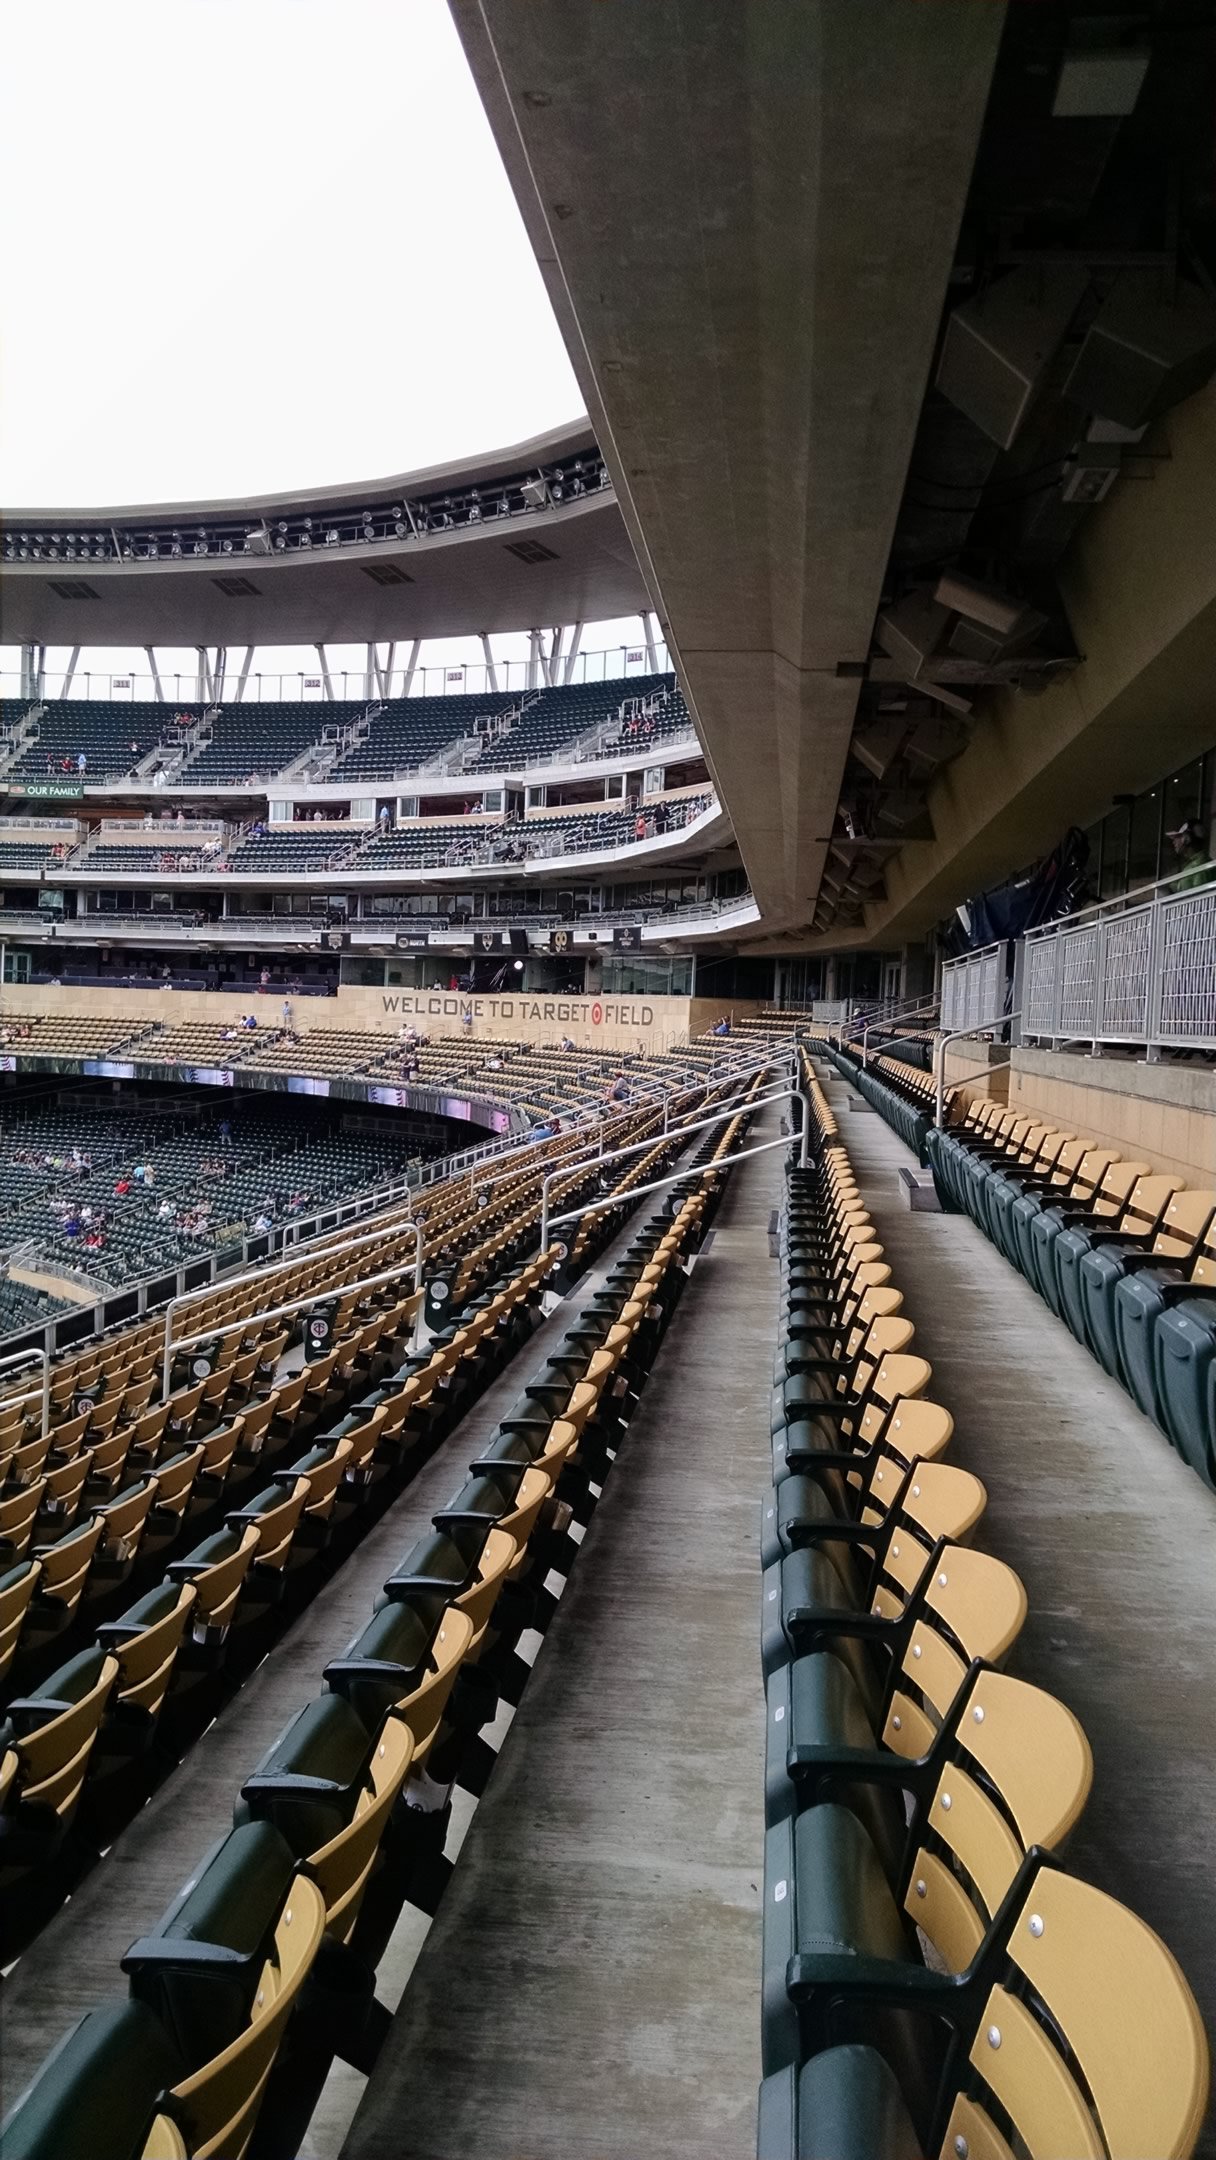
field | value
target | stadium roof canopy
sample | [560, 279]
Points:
[531, 535]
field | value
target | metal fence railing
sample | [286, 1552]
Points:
[1140, 970]
[974, 989]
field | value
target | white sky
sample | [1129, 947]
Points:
[255, 244]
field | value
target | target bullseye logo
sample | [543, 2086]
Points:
[597, 1015]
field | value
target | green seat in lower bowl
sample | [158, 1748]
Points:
[308, 1782]
[844, 2104]
[1184, 1363]
[804, 1597]
[1139, 1302]
[96, 2094]
[232, 1905]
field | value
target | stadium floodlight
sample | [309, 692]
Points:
[396, 510]
[126, 553]
[153, 550]
[332, 536]
[279, 542]
[401, 528]
[70, 552]
[37, 553]
[56, 537]
[305, 540]
[53, 552]
[176, 550]
[308, 524]
[504, 506]
[200, 547]
[227, 547]
[282, 525]
[25, 554]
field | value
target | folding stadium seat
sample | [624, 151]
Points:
[51, 1734]
[146, 1640]
[1011, 1770]
[18, 1514]
[405, 1659]
[17, 1587]
[222, 1973]
[1144, 1290]
[1104, 1209]
[1149, 1234]
[840, 1433]
[175, 1481]
[217, 1568]
[98, 2093]
[1138, 1223]
[1073, 2032]
[1048, 1156]
[867, 1514]
[65, 1570]
[1184, 1372]
[1077, 1176]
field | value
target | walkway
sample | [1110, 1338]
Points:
[590, 1987]
[1113, 1536]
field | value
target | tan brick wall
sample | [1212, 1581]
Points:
[1163, 1115]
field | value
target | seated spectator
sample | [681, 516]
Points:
[122, 1186]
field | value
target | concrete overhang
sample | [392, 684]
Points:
[746, 218]
[1140, 586]
[435, 584]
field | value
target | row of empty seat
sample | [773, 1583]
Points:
[1123, 1254]
[934, 1981]
[255, 740]
[264, 1968]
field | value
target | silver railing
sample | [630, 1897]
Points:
[1140, 970]
[973, 988]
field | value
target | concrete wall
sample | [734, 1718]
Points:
[980, 1070]
[639, 1024]
[1162, 1114]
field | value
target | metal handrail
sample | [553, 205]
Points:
[721, 1117]
[675, 1177]
[987, 1027]
[321, 1250]
[23, 1357]
[278, 1312]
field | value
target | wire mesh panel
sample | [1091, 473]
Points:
[1188, 969]
[1039, 987]
[1126, 957]
[952, 983]
[1079, 981]
[991, 972]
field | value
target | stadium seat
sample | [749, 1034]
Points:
[1075, 2031]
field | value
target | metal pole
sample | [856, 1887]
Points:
[939, 1057]
[23, 1357]
[720, 1117]
[674, 1177]
[236, 1282]
[276, 1312]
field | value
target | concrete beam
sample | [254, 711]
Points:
[1140, 588]
[751, 298]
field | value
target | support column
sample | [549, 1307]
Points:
[534, 661]
[410, 666]
[648, 627]
[73, 657]
[572, 655]
[153, 670]
[244, 674]
[491, 669]
[326, 684]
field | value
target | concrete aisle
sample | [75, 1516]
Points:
[590, 1987]
[1113, 1536]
